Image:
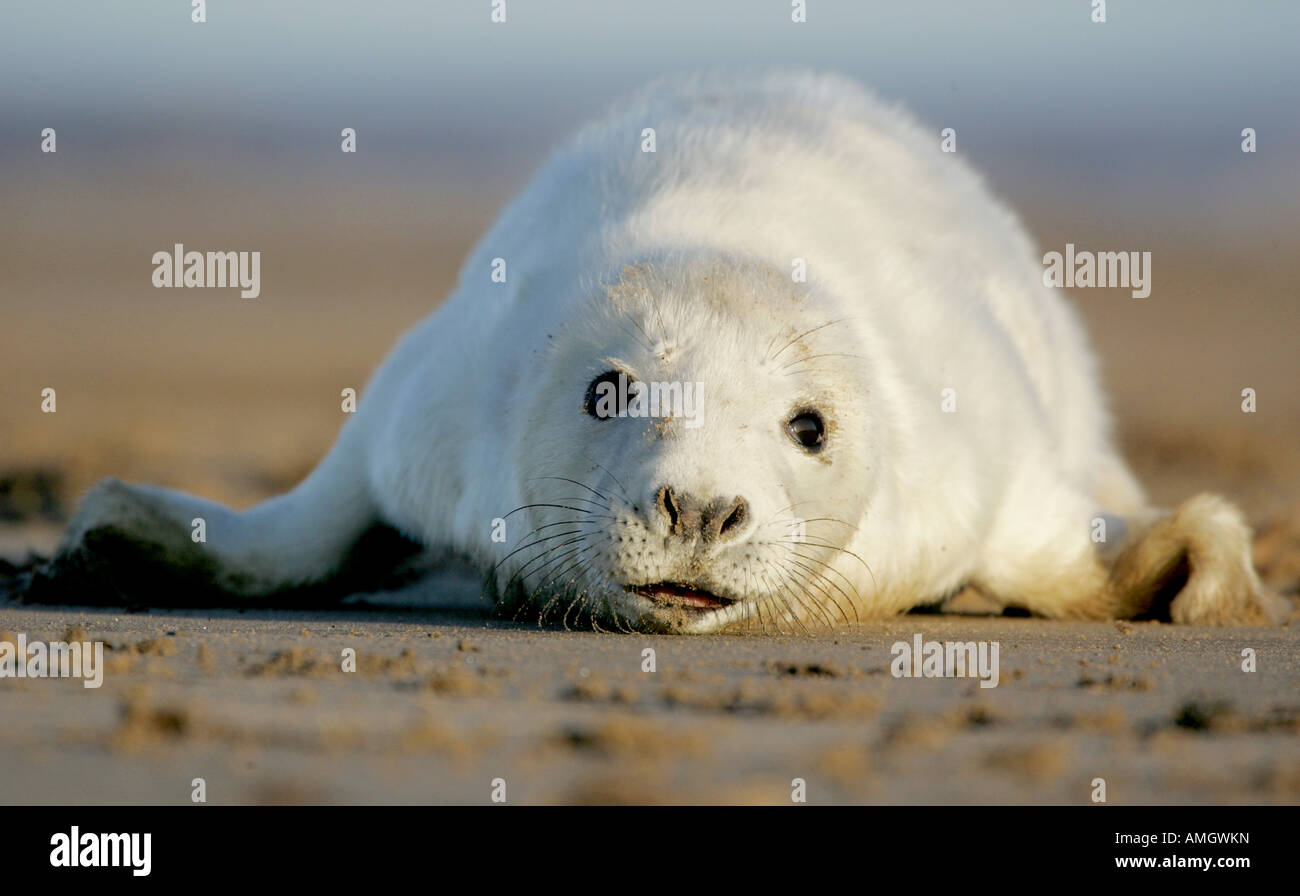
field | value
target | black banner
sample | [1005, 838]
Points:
[327, 845]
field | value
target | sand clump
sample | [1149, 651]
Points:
[1038, 762]
[634, 736]
[307, 662]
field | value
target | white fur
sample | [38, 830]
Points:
[676, 265]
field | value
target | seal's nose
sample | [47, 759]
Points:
[718, 520]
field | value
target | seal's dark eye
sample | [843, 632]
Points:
[605, 398]
[807, 428]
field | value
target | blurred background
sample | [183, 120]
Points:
[225, 135]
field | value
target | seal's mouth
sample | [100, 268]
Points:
[683, 596]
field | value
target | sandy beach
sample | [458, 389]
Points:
[236, 400]
[441, 705]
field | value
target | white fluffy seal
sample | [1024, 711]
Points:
[916, 414]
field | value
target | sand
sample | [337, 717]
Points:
[440, 705]
[237, 399]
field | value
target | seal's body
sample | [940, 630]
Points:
[869, 398]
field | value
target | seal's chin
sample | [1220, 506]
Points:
[683, 597]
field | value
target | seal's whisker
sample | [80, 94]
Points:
[588, 501]
[771, 342]
[772, 520]
[747, 599]
[533, 544]
[754, 603]
[574, 571]
[559, 593]
[588, 610]
[623, 623]
[552, 562]
[598, 494]
[785, 585]
[818, 576]
[578, 535]
[805, 589]
[824, 563]
[647, 342]
[549, 560]
[813, 579]
[663, 330]
[808, 358]
[621, 488]
[578, 600]
[812, 368]
[774, 597]
[831, 547]
[764, 602]
[802, 335]
[829, 519]
[814, 607]
[787, 592]
[558, 507]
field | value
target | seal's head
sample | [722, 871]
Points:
[699, 456]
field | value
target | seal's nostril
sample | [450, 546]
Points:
[735, 519]
[688, 519]
[667, 506]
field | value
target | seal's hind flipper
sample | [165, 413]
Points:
[111, 568]
[141, 545]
